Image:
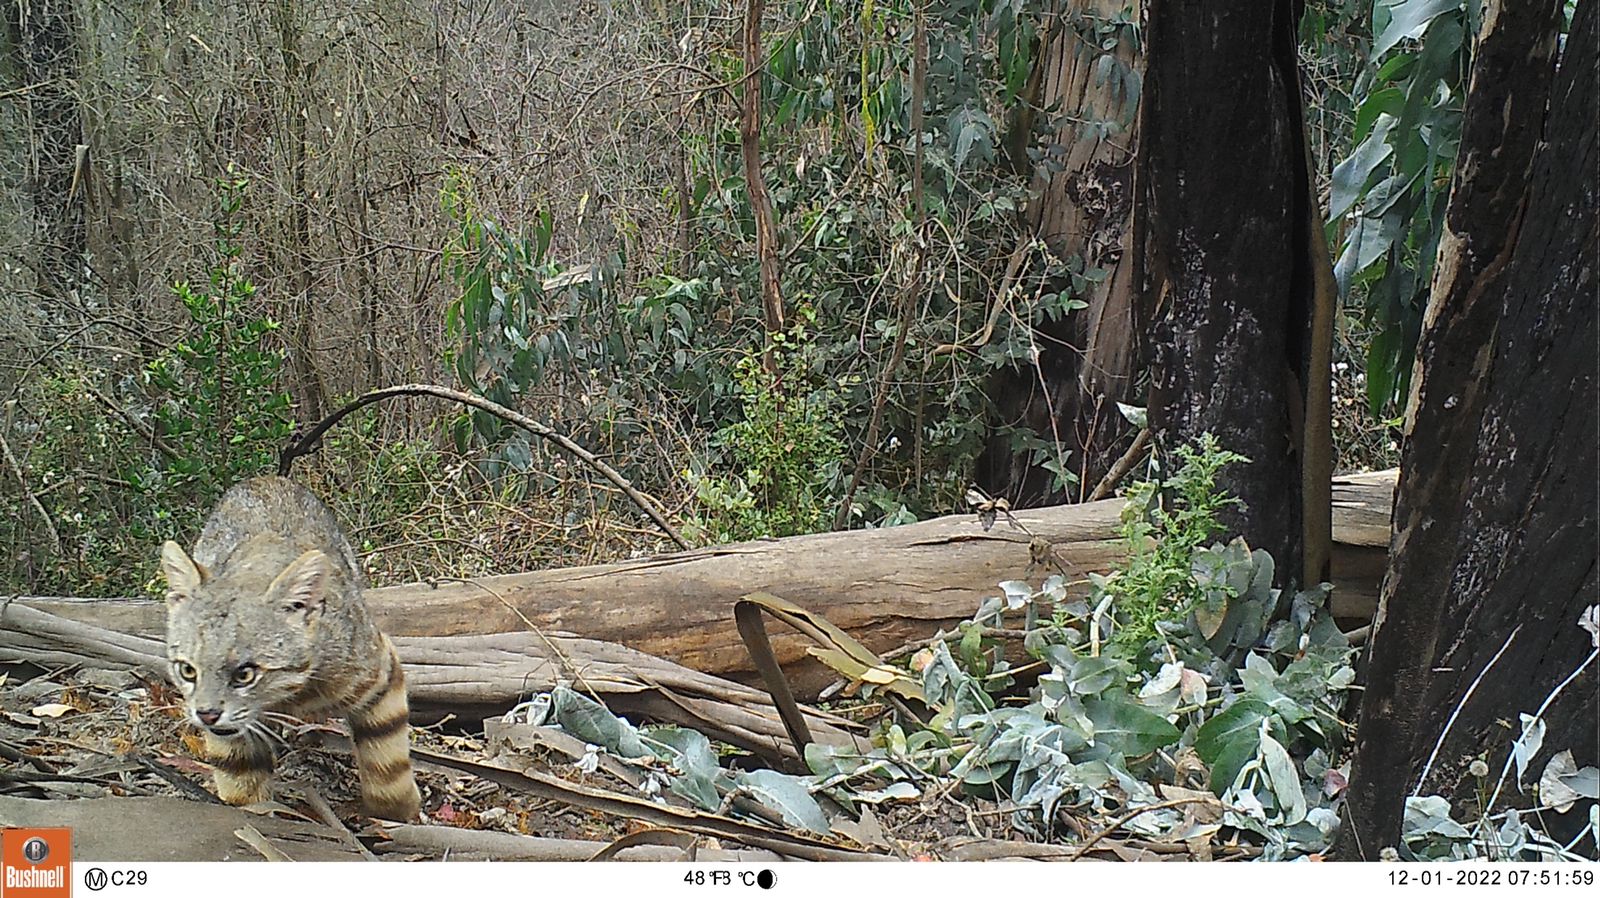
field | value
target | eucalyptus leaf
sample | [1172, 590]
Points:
[1092, 675]
[1562, 784]
[1528, 744]
[1350, 177]
[1125, 727]
[790, 796]
[590, 721]
[901, 791]
[1239, 722]
[1017, 593]
[1406, 19]
[691, 752]
[1430, 815]
[1284, 779]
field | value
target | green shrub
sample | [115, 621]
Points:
[218, 401]
[1165, 521]
[778, 473]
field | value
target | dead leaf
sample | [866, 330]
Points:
[51, 709]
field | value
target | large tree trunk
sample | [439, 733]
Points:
[1230, 276]
[1493, 556]
[885, 587]
[1088, 359]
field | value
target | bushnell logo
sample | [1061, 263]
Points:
[35, 850]
[37, 863]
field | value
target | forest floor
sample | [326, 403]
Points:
[111, 751]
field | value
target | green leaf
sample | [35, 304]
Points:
[1240, 721]
[590, 721]
[1405, 19]
[1229, 761]
[1128, 728]
[970, 132]
[1091, 675]
[1260, 680]
[691, 753]
[1284, 779]
[1367, 242]
[788, 795]
[1350, 176]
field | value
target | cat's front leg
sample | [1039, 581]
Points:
[242, 766]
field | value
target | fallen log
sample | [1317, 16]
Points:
[886, 587]
[474, 677]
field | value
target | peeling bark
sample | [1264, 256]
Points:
[1089, 359]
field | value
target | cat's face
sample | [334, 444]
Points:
[243, 643]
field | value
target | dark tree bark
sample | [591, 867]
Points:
[45, 34]
[1225, 223]
[1494, 526]
[1089, 360]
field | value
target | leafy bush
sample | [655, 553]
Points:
[1159, 582]
[615, 356]
[1240, 721]
[781, 459]
[218, 402]
[1183, 665]
[119, 467]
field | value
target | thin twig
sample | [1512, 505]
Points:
[133, 422]
[17, 756]
[1121, 821]
[309, 442]
[253, 837]
[174, 778]
[1002, 299]
[1121, 468]
[559, 656]
[1537, 716]
[22, 483]
[321, 806]
[911, 294]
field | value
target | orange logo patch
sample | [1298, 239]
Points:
[36, 863]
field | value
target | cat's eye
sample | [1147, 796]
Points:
[186, 672]
[245, 674]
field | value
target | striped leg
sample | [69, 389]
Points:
[242, 767]
[381, 730]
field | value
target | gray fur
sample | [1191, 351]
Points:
[273, 583]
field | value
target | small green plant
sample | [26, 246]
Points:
[781, 458]
[1158, 582]
[220, 407]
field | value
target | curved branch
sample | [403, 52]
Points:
[308, 443]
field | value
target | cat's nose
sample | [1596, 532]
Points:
[209, 716]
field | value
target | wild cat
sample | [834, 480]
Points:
[268, 616]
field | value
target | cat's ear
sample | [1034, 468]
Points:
[302, 588]
[183, 575]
